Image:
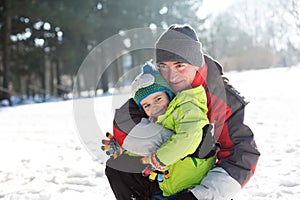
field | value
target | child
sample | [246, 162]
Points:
[185, 116]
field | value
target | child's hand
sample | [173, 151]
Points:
[155, 175]
[155, 169]
[154, 162]
[111, 146]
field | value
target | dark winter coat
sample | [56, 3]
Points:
[238, 155]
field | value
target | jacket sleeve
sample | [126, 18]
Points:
[241, 159]
[217, 185]
[135, 133]
[238, 155]
[189, 119]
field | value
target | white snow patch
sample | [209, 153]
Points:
[42, 156]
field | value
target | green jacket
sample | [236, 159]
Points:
[186, 116]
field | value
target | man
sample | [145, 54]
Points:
[182, 64]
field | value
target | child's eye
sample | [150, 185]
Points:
[146, 106]
[159, 99]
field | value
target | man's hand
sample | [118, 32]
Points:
[111, 146]
[218, 184]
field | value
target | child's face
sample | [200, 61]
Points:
[155, 104]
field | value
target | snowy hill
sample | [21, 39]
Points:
[42, 156]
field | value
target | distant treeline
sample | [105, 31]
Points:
[44, 42]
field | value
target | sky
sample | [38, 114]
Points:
[213, 7]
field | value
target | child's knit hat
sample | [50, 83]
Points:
[148, 82]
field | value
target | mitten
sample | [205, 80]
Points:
[155, 170]
[155, 175]
[111, 146]
[154, 162]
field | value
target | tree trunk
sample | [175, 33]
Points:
[58, 80]
[6, 48]
[52, 79]
[42, 74]
[104, 72]
[28, 91]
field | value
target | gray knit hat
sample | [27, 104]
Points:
[179, 43]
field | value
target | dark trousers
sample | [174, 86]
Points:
[126, 180]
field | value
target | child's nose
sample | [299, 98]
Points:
[157, 110]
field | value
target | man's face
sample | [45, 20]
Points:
[178, 75]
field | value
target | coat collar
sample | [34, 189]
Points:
[200, 77]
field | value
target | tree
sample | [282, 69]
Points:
[53, 44]
[6, 27]
[119, 17]
[249, 35]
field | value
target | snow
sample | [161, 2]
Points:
[43, 158]
[44, 155]
[273, 114]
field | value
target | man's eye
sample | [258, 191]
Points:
[180, 65]
[162, 66]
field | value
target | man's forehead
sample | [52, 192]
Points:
[170, 63]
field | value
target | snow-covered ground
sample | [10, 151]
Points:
[42, 156]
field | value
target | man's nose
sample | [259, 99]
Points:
[173, 75]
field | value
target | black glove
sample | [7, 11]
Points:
[184, 196]
[208, 146]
